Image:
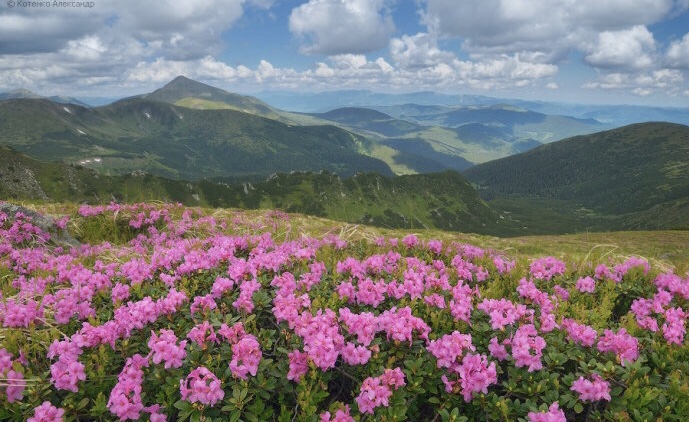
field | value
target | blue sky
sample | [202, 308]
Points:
[584, 51]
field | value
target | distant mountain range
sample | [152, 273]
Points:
[193, 143]
[190, 130]
[143, 134]
[613, 115]
[457, 137]
[25, 93]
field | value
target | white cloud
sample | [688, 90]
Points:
[632, 48]
[420, 50]
[331, 27]
[678, 53]
[643, 83]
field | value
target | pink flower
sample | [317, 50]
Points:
[125, 398]
[15, 385]
[376, 392]
[203, 304]
[547, 268]
[526, 340]
[355, 355]
[450, 348]
[497, 350]
[66, 373]
[597, 389]
[201, 333]
[554, 414]
[586, 285]
[475, 375]
[674, 326]
[623, 344]
[119, 292]
[579, 333]
[165, 349]
[410, 241]
[298, 365]
[503, 312]
[46, 412]
[246, 355]
[201, 386]
[342, 415]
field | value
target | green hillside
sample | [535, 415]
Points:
[177, 142]
[632, 177]
[440, 200]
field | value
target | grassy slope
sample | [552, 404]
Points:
[633, 177]
[665, 249]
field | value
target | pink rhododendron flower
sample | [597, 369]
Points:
[203, 304]
[546, 268]
[201, 386]
[202, 333]
[341, 415]
[554, 414]
[15, 384]
[586, 285]
[46, 412]
[622, 344]
[527, 348]
[579, 333]
[66, 373]
[376, 391]
[298, 365]
[165, 349]
[497, 350]
[246, 355]
[125, 398]
[592, 390]
[674, 326]
[475, 375]
[503, 312]
[450, 348]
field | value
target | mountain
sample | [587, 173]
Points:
[453, 137]
[612, 115]
[25, 93]
[189, 93]
[177, 142]
[318, 102]
[636, 176]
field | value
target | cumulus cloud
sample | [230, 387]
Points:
[331, 27]
[550, 27]
[420, 50]
[643, 83]
[633, 48]
[678, 53]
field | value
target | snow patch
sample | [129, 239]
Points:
[81, 131]
[147, 114]
[67, 110]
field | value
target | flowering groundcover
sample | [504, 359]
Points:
[169, 313]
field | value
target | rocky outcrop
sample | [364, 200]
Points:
[58, 236]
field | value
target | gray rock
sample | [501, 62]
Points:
[45, 223]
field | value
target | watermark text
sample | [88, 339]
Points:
[23, 4]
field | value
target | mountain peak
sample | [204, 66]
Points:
[18, 93]
[187, 92]
[183, 86]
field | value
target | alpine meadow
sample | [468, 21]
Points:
[344, 211]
